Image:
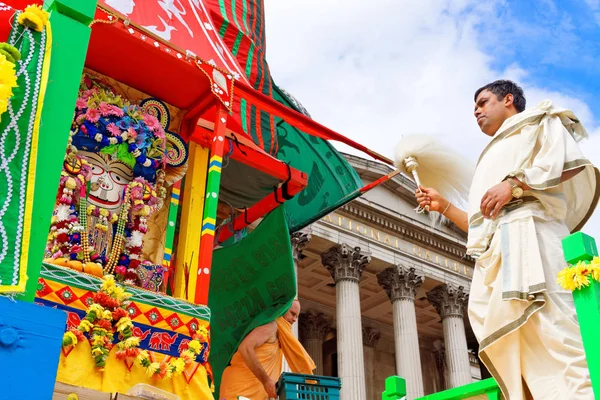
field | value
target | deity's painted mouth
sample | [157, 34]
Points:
[104, 201]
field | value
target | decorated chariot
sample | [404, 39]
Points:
[134, 146]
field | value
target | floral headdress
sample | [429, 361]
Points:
[107, 123]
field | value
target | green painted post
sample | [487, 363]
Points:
[395, 388]
[581, 247]
[70, 20]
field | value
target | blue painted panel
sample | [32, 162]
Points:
[30, 343]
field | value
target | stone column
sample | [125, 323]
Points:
[451, 302]
[313, 328]
[299, 242]
[346, 265]
[370, 338]
[401, 284]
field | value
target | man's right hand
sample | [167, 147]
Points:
[430, 197]
[270, 388]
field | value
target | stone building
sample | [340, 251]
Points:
[384, 291]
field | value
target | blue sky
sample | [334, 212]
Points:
[557, 42]
[391, 68]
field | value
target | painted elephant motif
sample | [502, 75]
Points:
[140, 333]
[162, 341]
[73, 320]
[183, 345]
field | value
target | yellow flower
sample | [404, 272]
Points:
[107, 315]
[97, 351]
[97, 308]
[85, 325]
[144, 355]
[69, 339]
[8, 81]
[195, 346]
[109, 284]
[104, 212]
[31, 21]
[575, 277]
[178, 365]
[98, 341]
[123, 324]
[34, 17]
[131, 342]
[153, 368]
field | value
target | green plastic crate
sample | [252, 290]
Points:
[308, 387]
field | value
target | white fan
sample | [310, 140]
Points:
[436, 166]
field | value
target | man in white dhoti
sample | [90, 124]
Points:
[531, 188]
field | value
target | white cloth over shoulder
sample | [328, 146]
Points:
[536, 146]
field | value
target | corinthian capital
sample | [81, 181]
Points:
[448, 300]
[344, 262]
[370, 336]
[400, 282]
[314, 325]
[299, 242]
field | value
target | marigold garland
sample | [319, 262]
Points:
[579, 275]
[33, 17]
[197, 347]
[105, 317]
[8, 81]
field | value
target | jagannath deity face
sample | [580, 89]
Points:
[110, 178]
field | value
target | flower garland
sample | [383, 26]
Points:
[105, 122]
[105, 317]
[33, 17]
[8, 75]
[578, 276]
[197, 350]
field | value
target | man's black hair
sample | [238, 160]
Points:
[503, 87]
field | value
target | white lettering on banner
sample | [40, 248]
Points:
[397, 243]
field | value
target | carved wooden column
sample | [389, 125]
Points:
[346, 265]
[370, 338]
[401, 284]
[313, 328]
[451, 302]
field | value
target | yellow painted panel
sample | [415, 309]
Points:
[192, 210]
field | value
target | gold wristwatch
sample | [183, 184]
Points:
[517, 191]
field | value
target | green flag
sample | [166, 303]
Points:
[252, 283]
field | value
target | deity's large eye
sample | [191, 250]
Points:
[117, 178]
[97, 170]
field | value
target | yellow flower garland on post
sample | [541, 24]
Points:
[33, 17]
[578, 276]
[8, 81]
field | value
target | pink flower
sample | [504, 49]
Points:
[81, 103]
[105, 109]
[113, 129]
[120, 270]
[132, 133]
[92, 115]
[151, 122]
[117, 111]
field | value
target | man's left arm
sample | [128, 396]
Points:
[499, 195]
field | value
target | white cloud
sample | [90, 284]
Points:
[374, 73]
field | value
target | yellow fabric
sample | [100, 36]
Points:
[237, 378]
[295, 354]
[77, 368]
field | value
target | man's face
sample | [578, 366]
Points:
[491, 112]
[292, 314]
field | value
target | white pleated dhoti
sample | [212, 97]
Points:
[529, 338]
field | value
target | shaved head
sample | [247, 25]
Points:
[292, 314]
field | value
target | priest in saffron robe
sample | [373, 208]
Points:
[532, 186]
[256, 365]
